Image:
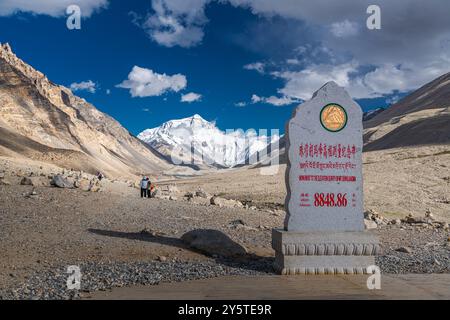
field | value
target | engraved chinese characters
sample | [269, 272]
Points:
[324, 229]
[324, 170]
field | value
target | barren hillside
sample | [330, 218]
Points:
[44, 121]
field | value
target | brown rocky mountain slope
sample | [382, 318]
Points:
[421, 118]
[46, 122]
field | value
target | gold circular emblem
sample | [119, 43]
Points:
[333, 117]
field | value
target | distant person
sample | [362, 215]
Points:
[144, 187]
[150, 189]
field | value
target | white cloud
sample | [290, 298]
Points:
[275, 101]
[175, 22]
[191, 97]
[382, 81]
[256, 98]
[344, 29]
[108, 91]
[144, 82]
[89, 86]
[257, 66]
[280, 101]
[293, 61]
[410, 50]
[54, 8]
[240, 104]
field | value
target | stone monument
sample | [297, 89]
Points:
[324, 226]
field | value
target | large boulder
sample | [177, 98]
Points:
[62, 182]
[83, 184]
[222, 202]
[213, 242]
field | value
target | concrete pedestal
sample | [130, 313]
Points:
[324, 252]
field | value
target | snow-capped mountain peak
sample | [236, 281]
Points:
[196, 140]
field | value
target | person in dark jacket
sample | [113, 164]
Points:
[144, 187]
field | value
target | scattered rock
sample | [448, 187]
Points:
[83, 184]
[94, 188]
[26, 181]
[372, 215]
[236, 224]
[62, 182]
[189, 195]
[429, 216]
[4, 182]
[404, 250]
[213, 242]
[222, 202]
[369, 224]
[413, 220]
[396, 222]
[161, 258]
[201, 193]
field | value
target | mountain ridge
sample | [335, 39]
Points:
[44, 115]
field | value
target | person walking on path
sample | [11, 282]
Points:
[144, 187]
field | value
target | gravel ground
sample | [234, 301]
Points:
[51, 284]
[429, 250]
[101, 232]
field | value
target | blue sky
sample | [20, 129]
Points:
[248, 63]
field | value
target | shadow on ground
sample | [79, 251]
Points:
[247, 261]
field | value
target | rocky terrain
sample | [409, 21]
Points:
[195, 228]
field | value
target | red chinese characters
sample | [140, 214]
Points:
[324, 151]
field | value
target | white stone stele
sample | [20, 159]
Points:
[324, 239]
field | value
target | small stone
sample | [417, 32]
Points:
[369, 224]
[4, 182]
[94, 188]
[404, 250]
[189, 195]
[201, 193]
[161, 258]
[26, 181]
[430, 218]
[237, 222]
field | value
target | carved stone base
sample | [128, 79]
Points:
[324, 252]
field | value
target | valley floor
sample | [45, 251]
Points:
[119, 239]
